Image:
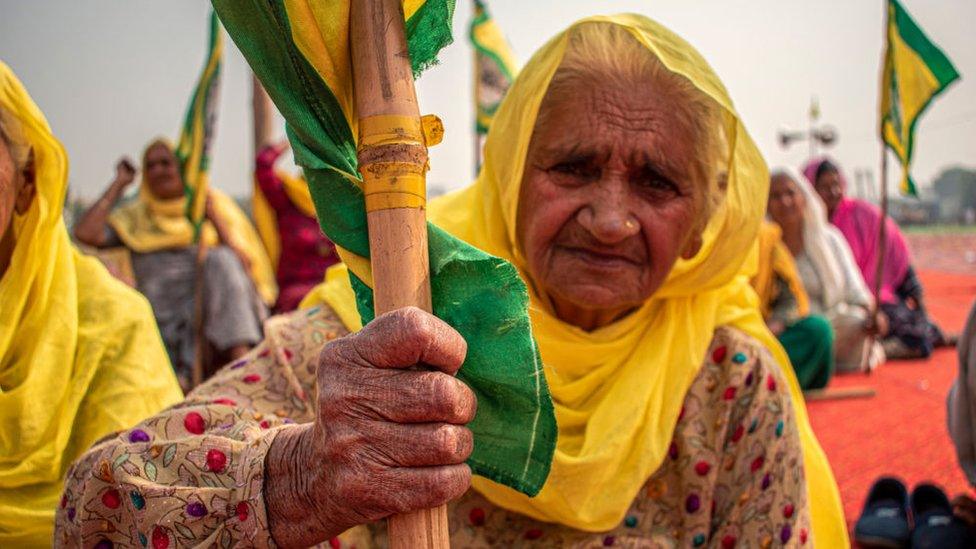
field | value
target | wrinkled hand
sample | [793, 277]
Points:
[387, 438]
[878, 325]
[125, 172]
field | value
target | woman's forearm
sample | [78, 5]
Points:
[90, 229]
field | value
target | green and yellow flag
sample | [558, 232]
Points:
[299, 49]
[494, 66]
[915, 71]
[196, 136]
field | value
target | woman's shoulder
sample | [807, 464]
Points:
[742, 360]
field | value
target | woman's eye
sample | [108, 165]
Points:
[657, 183]
[580, 170]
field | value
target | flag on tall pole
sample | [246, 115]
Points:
[494, 66]
[915, 72]
[196, 136]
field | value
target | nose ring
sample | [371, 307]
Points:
[630, 224]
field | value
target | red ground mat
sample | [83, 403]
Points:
[902, 430]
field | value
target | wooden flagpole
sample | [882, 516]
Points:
[384, 91]
[882, 231]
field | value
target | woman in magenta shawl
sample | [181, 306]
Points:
[911, 333]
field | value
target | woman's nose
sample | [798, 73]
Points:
[608, 216]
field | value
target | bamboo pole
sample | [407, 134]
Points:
[882, 232]
[841, 393]
[384, 86]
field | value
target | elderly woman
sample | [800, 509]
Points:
[80, 356]
[677, 424]
[911, 333]
[155, 229]
[830, 276]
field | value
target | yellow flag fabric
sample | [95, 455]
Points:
[494, 66]
[149, 224]
[265, 219]
[597, 470]
[915, 72]
[775, 260]
[80, 354]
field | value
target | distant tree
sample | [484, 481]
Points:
[956, 189]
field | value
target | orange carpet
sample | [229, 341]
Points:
[902, 430]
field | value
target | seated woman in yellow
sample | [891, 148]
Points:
[80, 356]
[679, 421]
[238, 282]
[808, 339]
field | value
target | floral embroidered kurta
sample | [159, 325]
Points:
[194, 473]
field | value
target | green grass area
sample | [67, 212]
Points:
[939, 229]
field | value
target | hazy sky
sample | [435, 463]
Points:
[110, 75]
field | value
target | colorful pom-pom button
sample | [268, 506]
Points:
[533, 533]
[194, 423]
[779, 428]
[142, 539]
[104, 544]
[630, 521]
[728, 542]
[692, 504]
[698, 540]
[216, 460]
[111, 498]
[160, 538]
[241, 511]
[785, 534]
[718, 355]
[739, 358]
[196, 510]
[702, 468]
[673, 451]
[251, 378]
[771, 382]
[753, 425]
[737, 434]
[788, 510]
[138, 435]
[766, 481]
[749, 379]
[137, 500]
[729, 393]
[757, 464]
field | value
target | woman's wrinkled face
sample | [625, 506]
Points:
[162, 174]
[607, 203]
[786, 201]
[16, 188]
[831, 190]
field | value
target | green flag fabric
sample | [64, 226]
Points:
[299, 49]
[494, 66]
[196, 136]
[915, 72]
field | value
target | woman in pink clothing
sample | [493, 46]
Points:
[911, 333]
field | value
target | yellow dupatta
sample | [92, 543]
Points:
[775, 260]
[618, 390]
[80, 354]
[149, 224]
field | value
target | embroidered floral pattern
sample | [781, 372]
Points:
[193, 474]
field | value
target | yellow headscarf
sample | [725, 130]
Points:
[149, 224]
[618, 390]
[80, 354]
[775, 260]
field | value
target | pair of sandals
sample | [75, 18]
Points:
[893, 519]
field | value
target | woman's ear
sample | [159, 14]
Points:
[693, 246]
[28, 188]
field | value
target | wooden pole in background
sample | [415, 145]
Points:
[882, 231]
[384, 86]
